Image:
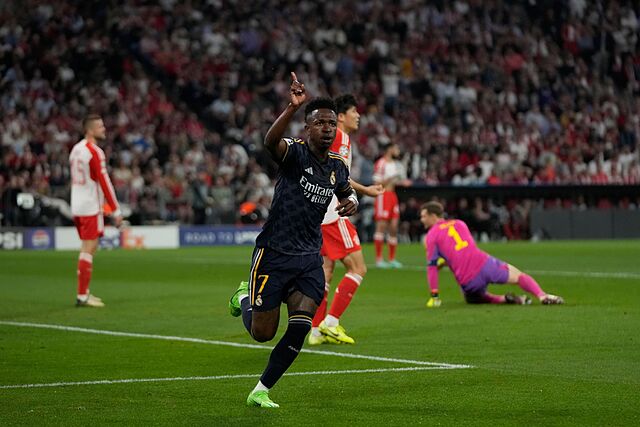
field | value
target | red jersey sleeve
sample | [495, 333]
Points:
[98, 168]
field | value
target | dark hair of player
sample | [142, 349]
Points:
[387, 146]
[433, 208]
[344, 102]
[86, 122]
[318, 103]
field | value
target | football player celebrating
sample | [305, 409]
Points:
[286, 265]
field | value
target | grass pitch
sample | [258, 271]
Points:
[577, 364]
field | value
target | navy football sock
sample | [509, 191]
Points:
[247, 312]
[287, 349]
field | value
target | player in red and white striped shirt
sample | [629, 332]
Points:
[340, 239]
[387, 171]
[91, 190]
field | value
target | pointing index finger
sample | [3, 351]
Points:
[293, 76]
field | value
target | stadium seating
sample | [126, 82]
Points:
[476, 93]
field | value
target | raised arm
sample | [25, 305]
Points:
[273, 139]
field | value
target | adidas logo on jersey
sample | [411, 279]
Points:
[309, 170]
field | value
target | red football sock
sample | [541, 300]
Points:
[527, 284]
[321, 312]
[378, 241]
[393, 244]
[344, 294]
[85, 266]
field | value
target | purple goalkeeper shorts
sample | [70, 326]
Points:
[493, 271]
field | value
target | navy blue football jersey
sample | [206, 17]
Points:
[303, 192]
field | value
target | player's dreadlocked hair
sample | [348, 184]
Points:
[344, 102]
[317, 103]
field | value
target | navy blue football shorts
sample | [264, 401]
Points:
[274, 276]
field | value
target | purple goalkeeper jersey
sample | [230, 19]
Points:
[452, 240]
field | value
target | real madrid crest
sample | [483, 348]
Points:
[332, 178]
[259, 300]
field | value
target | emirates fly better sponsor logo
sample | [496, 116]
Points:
[314, 192]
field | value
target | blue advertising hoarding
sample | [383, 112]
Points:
[206, 235]
[39, 238]
[66, 238]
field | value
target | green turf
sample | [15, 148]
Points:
[578, 364]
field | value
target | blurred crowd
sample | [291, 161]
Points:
[475, 92]
[61, 61]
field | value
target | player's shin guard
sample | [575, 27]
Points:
[85, 266]
[287, 349]
[344, 294]
[527, 284]
[393, 244]
[247, 313]
[378, 241]
[321, 312]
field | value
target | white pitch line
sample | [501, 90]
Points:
[226, 343]
[598, 274]
[595, 274]
[220, 377]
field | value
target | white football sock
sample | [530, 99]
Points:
[260, 387]
[331, 321]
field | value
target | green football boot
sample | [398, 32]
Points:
[261, 399]
[234, 301]
[322, 339]
[336, 332]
